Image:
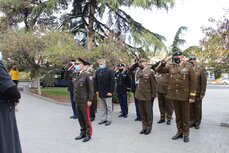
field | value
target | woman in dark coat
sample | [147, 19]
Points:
[9, 97]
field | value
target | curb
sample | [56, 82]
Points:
[47, 99]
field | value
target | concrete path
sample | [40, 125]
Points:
[45, 127]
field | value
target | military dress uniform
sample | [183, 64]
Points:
[165, 106]
[181, 88]
[196, 108]
[145, 92]
[132, 71]
[122, 88]
[84, 91]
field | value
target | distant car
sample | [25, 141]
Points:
[54, 78]
[225, 81]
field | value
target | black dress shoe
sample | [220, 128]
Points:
[168, 122]
[161, 121]
[186, 139]
[121, 115]
[86, 139]
[92, 119]
[137, 119]
[80, 137]
[192, 125]
[142, 131]
[177, 136]
[125, 116]
[73, 117]
[197, 126]
[102, 122]
[108, 123]
[147, 132]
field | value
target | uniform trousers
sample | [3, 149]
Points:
[182, 117]
[165, 106]
[196, 111]
[122, 98]
[145, 108]
[84, 119]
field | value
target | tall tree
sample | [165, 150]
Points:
[178, 40]
[33, 13]
[86, 21]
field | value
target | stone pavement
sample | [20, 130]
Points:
[45, 127]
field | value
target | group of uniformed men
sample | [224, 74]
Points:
[179, 84]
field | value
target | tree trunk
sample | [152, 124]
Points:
[91, 22]
[38, 84]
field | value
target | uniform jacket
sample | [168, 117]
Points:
[132, 72]
[123, 82]
[201, 80]
[83, 87]
[182, 81]
[162, 81]
[104, 82]
[68, 75]
[146, 88]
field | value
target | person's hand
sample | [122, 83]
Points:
[109, 94]
[201, 97]
[168, 58]
[89, 103]
[16, 103]
[191, 100]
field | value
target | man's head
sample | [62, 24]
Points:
[192, 60]
[121, 67]
[178, 57]
[102, 63]
[80, 64]
[142, 63]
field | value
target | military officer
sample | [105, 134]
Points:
[196, 108]
[84, 90]
[181, 90]
[122, 89]
[132, 71]
[145, 93]
[165, 106]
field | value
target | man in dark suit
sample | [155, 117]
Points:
[105, 86]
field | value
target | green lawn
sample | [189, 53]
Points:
[55, 91]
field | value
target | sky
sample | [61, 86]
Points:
[190, 13]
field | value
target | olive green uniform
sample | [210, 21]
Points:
[181, 88]
[84, 91]
[145, 92]
[165, 106]
[196, 108]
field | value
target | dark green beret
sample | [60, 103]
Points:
[177, 53]
[192, 57]
[84, 62]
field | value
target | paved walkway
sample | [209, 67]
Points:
[45, 127]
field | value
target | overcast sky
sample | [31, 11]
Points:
[190, 13]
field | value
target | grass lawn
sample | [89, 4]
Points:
[55, 91]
